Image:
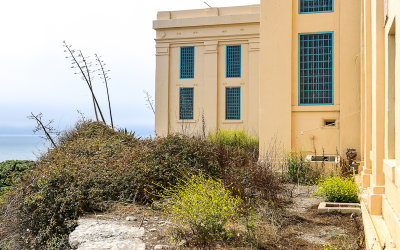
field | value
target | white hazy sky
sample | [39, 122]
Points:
[36, 77]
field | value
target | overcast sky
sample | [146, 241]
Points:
[36, 77]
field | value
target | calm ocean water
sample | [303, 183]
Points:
[29, 147]
[21, 147]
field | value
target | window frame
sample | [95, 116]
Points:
[333, 70]
[180, 62]
[240, 102]
[313, 12]
[226, 60]
[179, 115]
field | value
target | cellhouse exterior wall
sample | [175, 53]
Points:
[380, 91]
[269, 81]
[365, 89]
[298, 126]
[210, 31]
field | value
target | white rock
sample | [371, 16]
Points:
[106, 234]
[131, 218]
[157, 247]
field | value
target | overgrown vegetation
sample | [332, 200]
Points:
[219, 191]
[10, 171]
[234, 138]
[94, 167]
[338, 189]
[300, 171]
[203, 207]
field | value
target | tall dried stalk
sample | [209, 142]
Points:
[85, 73]
[105, 78]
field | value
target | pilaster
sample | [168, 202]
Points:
[162, 89]
[210, 90]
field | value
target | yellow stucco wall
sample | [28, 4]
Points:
[366, 84]
[381, 120]
[269, 82]
[302, 127]
[209, 31]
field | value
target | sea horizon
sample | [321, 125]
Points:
[24, 146]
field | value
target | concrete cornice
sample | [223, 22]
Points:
[206, 21]
[220, 39]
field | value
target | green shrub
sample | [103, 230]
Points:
[338, 189]
[299, 170]
[204, 205]
[94, 167]
[10, 171]
[234, 138]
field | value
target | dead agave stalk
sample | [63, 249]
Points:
[85, 72]
[105, 78]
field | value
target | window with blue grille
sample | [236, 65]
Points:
[187, 62]
[315, 6]
[233, 61]
[316, 69]
[232, 103]
[186, 103]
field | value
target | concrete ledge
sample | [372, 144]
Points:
[344, 208]
[371, 237]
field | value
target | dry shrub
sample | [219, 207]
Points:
[93, 167]
[249, 177]
[9, 227]
[260, 227]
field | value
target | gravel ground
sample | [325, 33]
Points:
[302, 227]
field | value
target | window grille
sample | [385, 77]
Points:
[186, 103]
[232, 103]
[233, 61]
[315, 6]
[187, 62]
[316, 69]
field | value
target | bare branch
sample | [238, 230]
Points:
[47, 129]
[149, 101]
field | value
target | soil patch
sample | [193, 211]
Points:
[301, 228]
[304, 228]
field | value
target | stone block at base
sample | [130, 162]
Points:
[344, 208]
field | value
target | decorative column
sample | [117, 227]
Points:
[210, 89]
[367, 171]
[275, 95]
[162, 89]
[377, 188]
[253, 86]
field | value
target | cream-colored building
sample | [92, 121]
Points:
[191, 52]
[241, 68]
[320, 76]
[380, 126]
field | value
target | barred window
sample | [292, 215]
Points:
[187, 62]
[233, 61]
[186, 103]
[316, 69]
[315, 6]
[232, 103]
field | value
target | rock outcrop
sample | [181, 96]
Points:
[93, 233]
